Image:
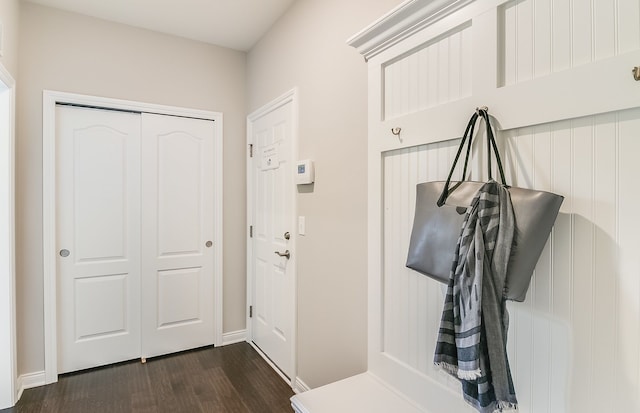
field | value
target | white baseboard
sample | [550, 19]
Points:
[36, 379]
[30, 380]
[234, 337]
[299, 386]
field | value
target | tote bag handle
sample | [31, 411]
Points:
[491, 147]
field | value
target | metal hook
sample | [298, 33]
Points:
[396, 131]
[636, 73]
[484, 108]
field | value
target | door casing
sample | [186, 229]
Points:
[50, 99]
[8, 372]
[290, 97]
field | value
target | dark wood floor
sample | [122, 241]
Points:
[233, 378]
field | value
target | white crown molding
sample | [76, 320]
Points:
[402, 22]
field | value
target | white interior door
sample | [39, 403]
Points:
[98, 237]
[273, 236]
[178, 230]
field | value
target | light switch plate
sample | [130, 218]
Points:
[301, 225]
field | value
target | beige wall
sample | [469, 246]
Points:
[9, 18]
[307, 49]
[68, 52]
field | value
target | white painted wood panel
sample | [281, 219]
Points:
[556, 74]
[435, 73]
[272, 252]
[177, 195]
[546, 36]
[574, 342]
[98, 220]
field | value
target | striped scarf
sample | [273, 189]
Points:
[472, 340]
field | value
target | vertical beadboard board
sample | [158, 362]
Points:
[435, 73]
[574, 344]
[547, 36]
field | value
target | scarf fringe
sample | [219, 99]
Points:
[455, 371]
[449, 368]
[505, 406]
[469, 375]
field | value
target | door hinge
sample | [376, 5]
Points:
[250, 150]
[250, 231]
[250, 311]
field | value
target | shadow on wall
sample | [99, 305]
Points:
[573, 344]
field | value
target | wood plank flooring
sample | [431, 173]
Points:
[232, 378]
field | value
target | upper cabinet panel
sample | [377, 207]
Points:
[433, 74]
[540, 37]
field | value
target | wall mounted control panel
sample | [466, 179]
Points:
[305, 173]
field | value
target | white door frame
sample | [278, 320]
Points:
[8, 351]
[289, 97]
[50, 99]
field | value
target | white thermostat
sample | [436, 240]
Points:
[305, 173]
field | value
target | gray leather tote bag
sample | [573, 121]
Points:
[440, 210]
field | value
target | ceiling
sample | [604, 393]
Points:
[236, 24]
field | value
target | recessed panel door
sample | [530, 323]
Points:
[273, 255]
[98, 247]
[177, 223]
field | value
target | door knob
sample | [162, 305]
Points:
[64, 253]
[287, 235]
[208, 244]
[284, 254]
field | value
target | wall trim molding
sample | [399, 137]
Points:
[300, 386]
[401, 23]
[234, 337]
[29, 381]
[8, 335]
[49, 101]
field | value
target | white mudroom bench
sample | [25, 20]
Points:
[361, 393]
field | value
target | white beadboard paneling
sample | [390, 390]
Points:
[627, 340]
[628, 29]
[561, 28]
[582, 254]
[546, 36]
[605, 263]
[604, 39]
[444, 67]
[435, 73]
[574, 344]
[524, 45]
[582, 31]
[543, 38]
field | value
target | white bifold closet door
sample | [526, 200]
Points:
[134, 216]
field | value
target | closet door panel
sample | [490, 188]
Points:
[177, 250]
[98, 238]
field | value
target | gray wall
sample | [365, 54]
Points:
[9, 17]
[307, 49]
[71, 53]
